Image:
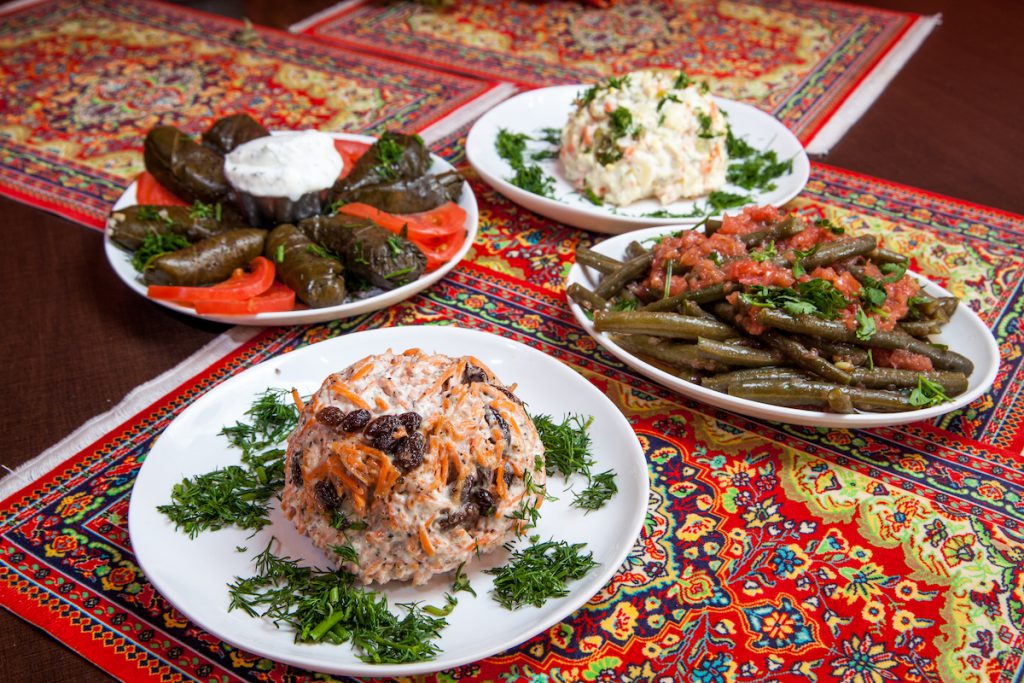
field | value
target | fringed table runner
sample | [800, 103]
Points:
[770, 552]
[84, 81]
[817, 66]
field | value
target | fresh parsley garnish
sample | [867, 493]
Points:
[894, 272]
[201, 210]
[737, 148]
[704, 123]
[682, 81]
[716, 258]
[766, 253]
[757, 170]
[798, 260]
[530, 177]
[146, 212]
[872, 293]
[928, 393]
[830, 226]
[533, 179]
[540, 572]
[866, 326]
[816, 297]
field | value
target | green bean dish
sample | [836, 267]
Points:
[781, 310]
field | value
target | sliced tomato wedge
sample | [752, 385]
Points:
[239, 286]
[150, 192]
[442, 251]
[414, 229]
[278, 298]
[449, 217]
[350, 151]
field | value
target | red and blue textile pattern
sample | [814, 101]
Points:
[85, 81]
[770, 552]
[797, 59]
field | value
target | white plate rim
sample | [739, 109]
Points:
[631, 458]
[119, 260]
[615, 246]
[597, 218]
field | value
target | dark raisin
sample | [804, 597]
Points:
[356, 420]
[452, 519]
[473, 374]
[297, 468]
[411, 421]
[508, 393]
[408, 451]
[331, 416]
[494, 419]
[483, 499]
[385, 425]
[509, 474]
[470, 513]
[327, 495]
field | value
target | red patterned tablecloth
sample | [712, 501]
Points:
[84, 81]
[770, 552]
[801, 60]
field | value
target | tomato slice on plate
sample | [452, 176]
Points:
[449, 217]
[279, 297]
[442, 251]
[148, 191]
[350, 151]
[241, 285]
[416, 229]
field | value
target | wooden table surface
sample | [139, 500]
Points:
[78, 340]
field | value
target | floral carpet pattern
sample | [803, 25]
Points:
[84, 81]
[797, 59]
[769, 553]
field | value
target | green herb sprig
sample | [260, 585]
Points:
[928, 393]
[154, 246]
[540, 572]
[326, 606]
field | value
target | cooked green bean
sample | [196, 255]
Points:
[805, 358]
[734, 354]
[632, 269]
[837, 331]
[953, 383]
[837, 351]
[692, 308]
[920, 328]
[634, 249]
[839, 401]
[882, 255]
[586, 299]
[678, 354]
[810, 393]
[830, 252]
[787, 227]
[599, 262]
[711, 226]
[701, 296]
[721, 381]
[661, 324]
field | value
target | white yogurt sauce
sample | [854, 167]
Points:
[286, 165]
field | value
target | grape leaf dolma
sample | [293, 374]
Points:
[130, 226]
[185, 167]
[408, 195]
[208, 261]
[231, 131]
[370, 252]
[316, 279]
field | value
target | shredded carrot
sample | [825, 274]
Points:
[297, 399]
[442, 476]
[340, 388]
[410, 352]
[382, 405]
[436, 386]
[386, 477]
[361, 372]
[428, 547]
[487, 371]
[500, 487]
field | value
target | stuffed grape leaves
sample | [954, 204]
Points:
[370, 252]
[208, 261]
[315, 277]
[185, 167]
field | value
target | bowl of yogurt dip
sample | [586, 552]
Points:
[285, 177]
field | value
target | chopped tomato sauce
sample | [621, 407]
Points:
[751, 219]
[901, 359]
[750, 272]
[802, 241]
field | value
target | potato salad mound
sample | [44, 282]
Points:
[405, 465]
[652, 133]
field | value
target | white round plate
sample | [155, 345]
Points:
[965, 333]
[193, 574]
[550, 108]
[120, 261]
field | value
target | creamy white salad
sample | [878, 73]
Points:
[285, 165]
[652, 133]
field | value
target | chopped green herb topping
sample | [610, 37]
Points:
[146, 212]
[601, 489]
[830, 226]
[866, 326]
[766, 253]
[591, 197]
[540, 572]
[816, 297]
[154, 246]
[928, 393]
[389, 154]
[566, 444]
[757, 170]
[461, 582]
[201, 210]
[327, 607]
[682, 81]
[798, 260]
[737, 148]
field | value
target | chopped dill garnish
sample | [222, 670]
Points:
[389, 154]
[239, 495]
[346, 552]
[566, 444]
[737, 148]
[450, 601]
[540, 572]
[461, 582]
[201, 210]
[552, 136]
[533, 179]
[757, 170]
[327, 607]
[154, 246]
[510, 146]
[601, 489]
[315, 249]
[147, 212]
